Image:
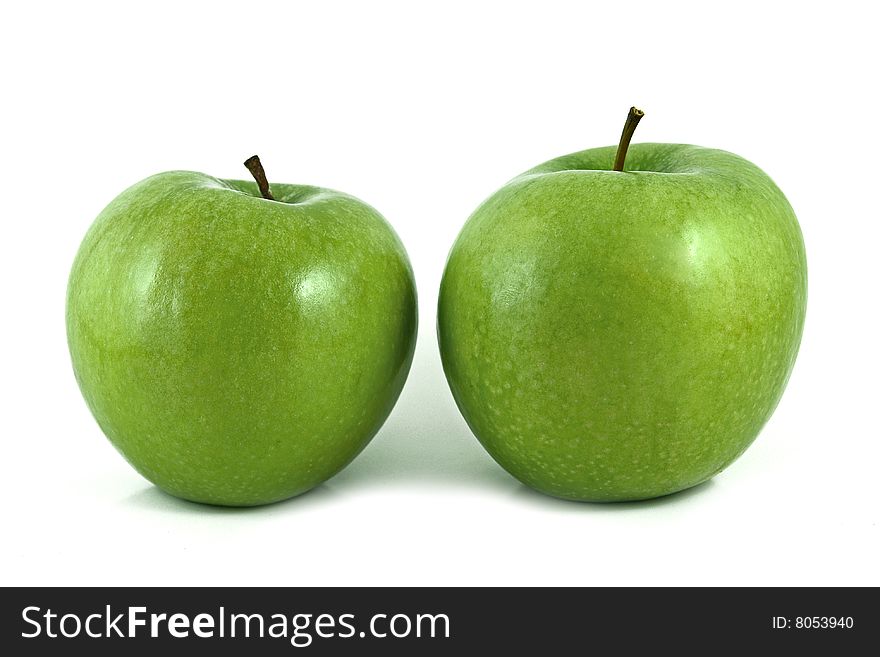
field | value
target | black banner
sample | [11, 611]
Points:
[277, 621]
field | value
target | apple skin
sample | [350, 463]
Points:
[624, 335]
[239, 351]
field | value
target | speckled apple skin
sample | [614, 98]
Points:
[624, 335]
[239, 351]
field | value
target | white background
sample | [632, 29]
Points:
[423, 111]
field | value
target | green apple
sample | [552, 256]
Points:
[235, 348]
[621, 335]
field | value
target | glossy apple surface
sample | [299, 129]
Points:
[615, 335]
[238, 350]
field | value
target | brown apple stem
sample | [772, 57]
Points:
[632, 120]
[256, 168]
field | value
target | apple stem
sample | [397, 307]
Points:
[256, 168]
[632, 120]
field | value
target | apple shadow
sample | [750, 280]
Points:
[425, 441]
[153, 498]
[531, 496]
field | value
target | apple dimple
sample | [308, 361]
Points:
[652, 158]
[285, 194]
